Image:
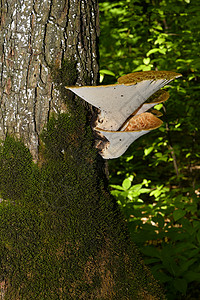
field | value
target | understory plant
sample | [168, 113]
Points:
[164, 224]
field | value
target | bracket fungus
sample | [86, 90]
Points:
[122, 118]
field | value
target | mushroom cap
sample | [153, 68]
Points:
[144, 121]
[133, 78]
[119, 141]
[158, 97]
[117, 102]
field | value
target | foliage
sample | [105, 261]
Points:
[149, 34]
[167, 230]
[161, 205]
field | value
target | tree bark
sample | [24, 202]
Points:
[36, 35]
[62, 234]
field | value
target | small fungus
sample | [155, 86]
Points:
[118, 142]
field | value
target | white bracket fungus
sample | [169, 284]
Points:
[122, 118]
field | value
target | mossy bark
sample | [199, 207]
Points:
[62, 234]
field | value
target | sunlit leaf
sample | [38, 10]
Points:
[148, 150]
[146, 61]
[106, 72]
[126, 184]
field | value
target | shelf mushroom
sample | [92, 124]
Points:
[119, 141]
[122, 104]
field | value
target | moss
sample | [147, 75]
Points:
[15, 169]
[68, 74]
[65, 76]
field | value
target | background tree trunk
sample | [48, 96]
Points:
[62, 235]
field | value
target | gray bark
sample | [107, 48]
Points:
[34, 36]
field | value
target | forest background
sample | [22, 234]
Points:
[156, 182]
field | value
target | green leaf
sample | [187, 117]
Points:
[159, 219]
[106, 72]
[180, 285]
[118, 187]
[151, 260]
[126, 184]
[162, 277]
[193, 253]
[150, 251]
[198, 236]
[148, 150]
[178, 214]
[158, 106]
[192, 276]
[152, 51]
[146, 61]
[160, 40]
[163, 50]
[136, 187]
[185, 265]
[170, 265]
[144, 191]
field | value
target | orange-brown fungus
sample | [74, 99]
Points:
[144, 121]
[158, 97]
[136, 77]
[155, 112]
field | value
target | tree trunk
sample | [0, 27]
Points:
[62, 234]
[36, 35]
